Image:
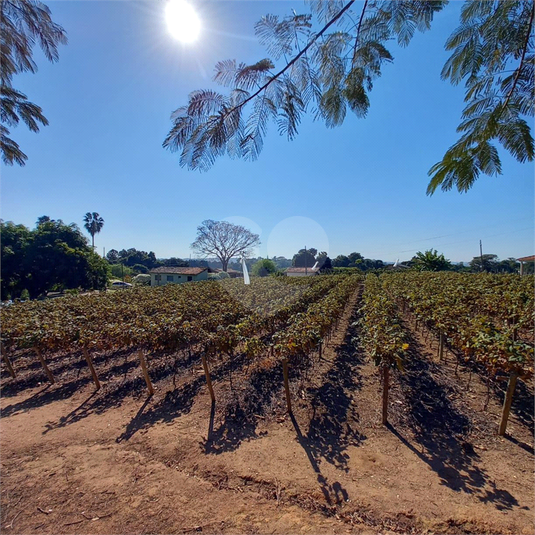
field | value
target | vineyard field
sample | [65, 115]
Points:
[328, 404]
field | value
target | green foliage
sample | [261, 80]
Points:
[493, 52]
[305, 258]
[328, 71]
[332, 71]
[383, 334]
[15, 240]
[263, 268]
[52, 256]
[326, 265]
[25, 295]
[142, 279]
[431, 261]
[487, 262]
[93, 223]
[140, 268]
[118, 271]
[131, 257]
[23, 23]
[492, 264]
[480, 315]
[356, 260]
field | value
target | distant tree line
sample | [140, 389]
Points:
[53, 256]
[129, 262]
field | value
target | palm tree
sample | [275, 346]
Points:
[24, 25]
[93, 224]
[431, 261]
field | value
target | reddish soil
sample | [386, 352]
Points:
[75, 461]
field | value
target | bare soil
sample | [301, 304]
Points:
[114, 461]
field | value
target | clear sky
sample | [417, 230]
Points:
[360, 187]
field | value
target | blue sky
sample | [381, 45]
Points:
[360, 187]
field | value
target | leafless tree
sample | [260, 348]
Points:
[224, 240]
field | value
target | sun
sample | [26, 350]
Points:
[182, 21]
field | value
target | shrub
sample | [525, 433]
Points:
[142, 279]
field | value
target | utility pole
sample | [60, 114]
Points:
[481, 254]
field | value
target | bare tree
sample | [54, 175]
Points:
[224, 240]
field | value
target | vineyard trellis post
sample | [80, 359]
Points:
[208, 378]
[286, 385]
[145, 372]
[385, 394]
[7, 361]
[91, 367]
[507, 402]
[43, 364]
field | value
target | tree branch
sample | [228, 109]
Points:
[294, 59]
[358, 32]
[519, 70]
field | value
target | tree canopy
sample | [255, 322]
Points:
[224, 240]
[431, 261]
[305, 258]
[23, 24]
[331, 70]
[93, 223]
[264, 267]
[53, 256]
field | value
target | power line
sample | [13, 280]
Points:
[458, 241]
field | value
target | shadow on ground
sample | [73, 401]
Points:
[441, 430]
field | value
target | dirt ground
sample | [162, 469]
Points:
[80, 462]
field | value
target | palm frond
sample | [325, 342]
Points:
[10, 150]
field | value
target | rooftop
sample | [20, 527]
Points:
[178, 270]
[301, 270]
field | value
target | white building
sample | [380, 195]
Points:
[176, 275]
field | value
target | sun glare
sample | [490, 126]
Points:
[182, 21]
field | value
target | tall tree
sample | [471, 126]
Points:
[224, 241]
[431, 261]
[333, 69]
[305, 258]
[53, 256]
[93, 224]
[14, 242]
[112, 256]
[42, 219]
[486, 262]
[23, 23]
[264, 267]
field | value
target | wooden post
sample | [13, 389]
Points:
[507, 403]
[286, 385]
[385, 395]
[45, 367]
[208, 378]
[7, 361]
[145, 372]
[441, 346]
[8, 364]
[91, 367]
